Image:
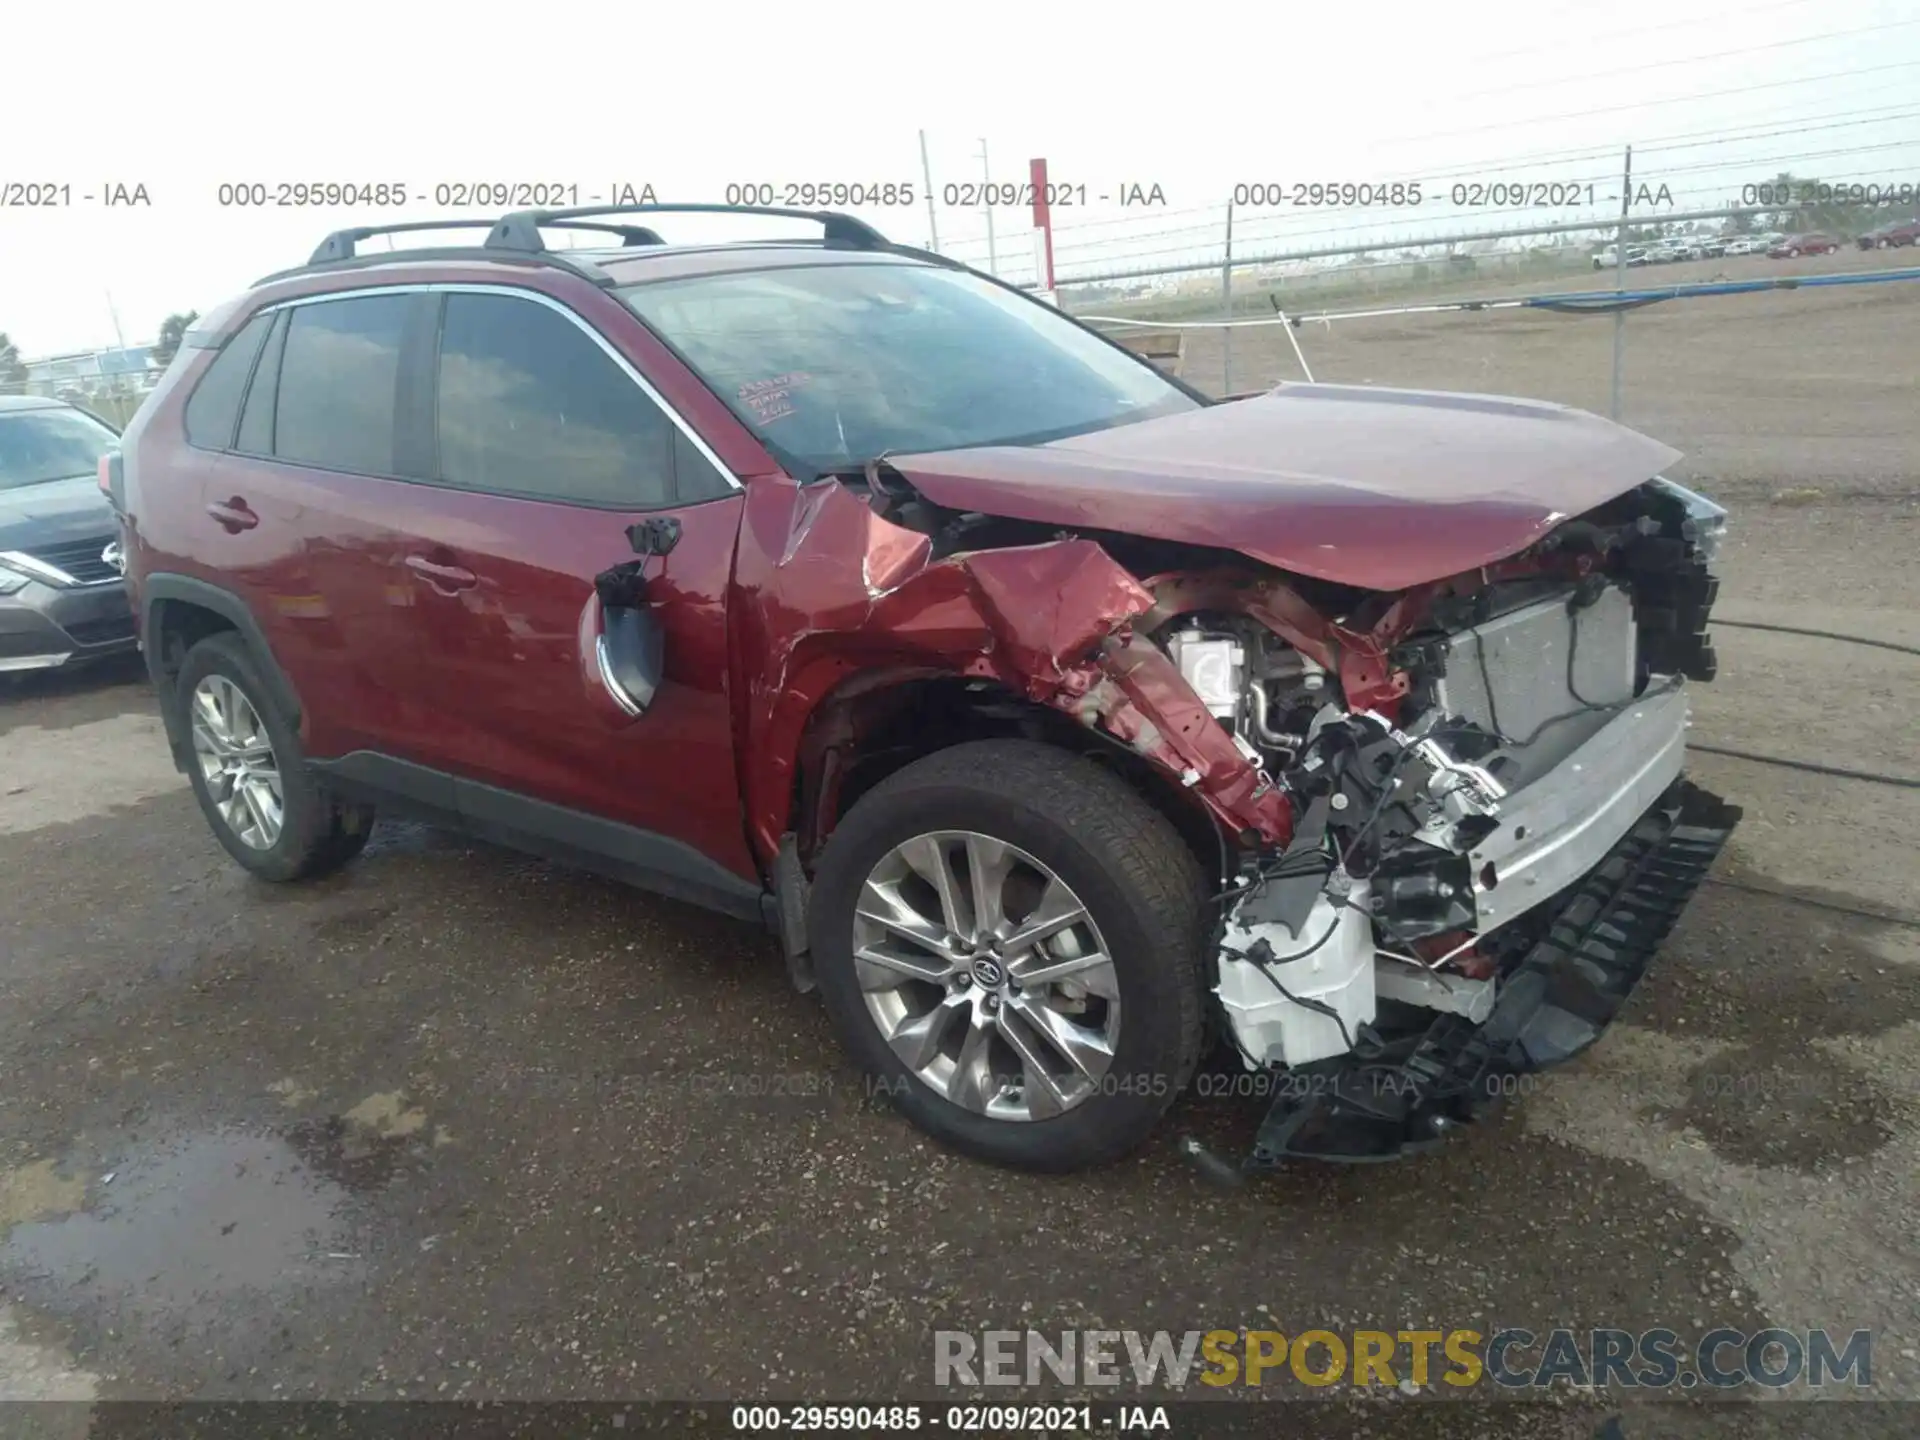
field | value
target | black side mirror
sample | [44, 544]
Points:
[657, 536]
[632, 646]
[632, 657]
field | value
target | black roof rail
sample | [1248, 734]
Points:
[521, 230]
[552, 259]
[340, 245]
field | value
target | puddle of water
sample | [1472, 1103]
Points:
[188, 1234]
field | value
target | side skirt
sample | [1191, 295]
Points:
[641, 858]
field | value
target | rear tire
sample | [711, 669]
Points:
[250, 775]
[1029, 1054]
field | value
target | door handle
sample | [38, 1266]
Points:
[233, 515]
[444, 578]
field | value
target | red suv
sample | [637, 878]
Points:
[1057, 719]
[1813, 242]
[1891, 236]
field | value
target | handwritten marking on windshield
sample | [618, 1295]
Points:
[773, 399]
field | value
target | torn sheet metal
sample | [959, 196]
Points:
[831, 589]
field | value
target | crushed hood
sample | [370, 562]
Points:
[1365, 486]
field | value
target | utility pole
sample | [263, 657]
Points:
[119, 334]
[926, 174]
[993, 254]
[1226, 300]
[1620, 281]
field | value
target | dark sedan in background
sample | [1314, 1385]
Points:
[1891, 236]
[62, 598]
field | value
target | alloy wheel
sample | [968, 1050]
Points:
[237, 762]
[986, 975]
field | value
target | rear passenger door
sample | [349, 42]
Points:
[328, 434]
[548, 445]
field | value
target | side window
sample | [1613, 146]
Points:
[256, 420]
[695, 477]
[214, 407]
[338, 384]
[529, 404]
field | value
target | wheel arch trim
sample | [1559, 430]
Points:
[164, 587]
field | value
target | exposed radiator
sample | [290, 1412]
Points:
[1510, 674]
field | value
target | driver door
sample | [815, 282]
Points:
[548, 447]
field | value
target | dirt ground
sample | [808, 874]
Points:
[1791, 388]
[457, 1124]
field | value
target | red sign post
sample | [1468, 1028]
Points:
[1042, 226]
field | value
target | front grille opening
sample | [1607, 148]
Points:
[79, 558]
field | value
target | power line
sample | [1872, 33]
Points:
[1683, 140]
[1697, 139]
[1254, 216]
[1511, 121]
[1197, 258]
[1743, 13]
[1762, 160]
[1681, 60]
[1690, 142]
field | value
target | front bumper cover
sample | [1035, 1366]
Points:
[44, 626]
[1553, 1002]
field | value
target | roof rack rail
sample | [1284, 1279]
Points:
[340, 245]
[573, 264]
[521, 229]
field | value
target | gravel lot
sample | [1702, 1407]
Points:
[1788, 388]
[448, 1124]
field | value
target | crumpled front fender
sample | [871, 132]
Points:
[826, 590]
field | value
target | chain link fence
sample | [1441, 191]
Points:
[1775, 374]
[79, 381]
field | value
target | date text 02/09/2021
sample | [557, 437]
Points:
[957, 1419]
[447, 194]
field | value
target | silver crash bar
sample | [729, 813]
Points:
[1563, 824]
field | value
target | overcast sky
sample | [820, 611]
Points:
[186, 96]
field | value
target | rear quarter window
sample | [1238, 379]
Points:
[213, 410]
[338, 384]
[256, 420]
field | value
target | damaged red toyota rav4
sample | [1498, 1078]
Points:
[1059, 720]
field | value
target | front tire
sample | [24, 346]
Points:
[250, 775]
[1009, 938]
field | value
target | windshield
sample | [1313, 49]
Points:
[834, 365]
[41, 445]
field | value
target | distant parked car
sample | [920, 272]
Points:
[1665, 252]
[1709, 249]
[62, 596]
[1811, 242]
[1890, 236]
[1609, 258]
[1746, 245]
